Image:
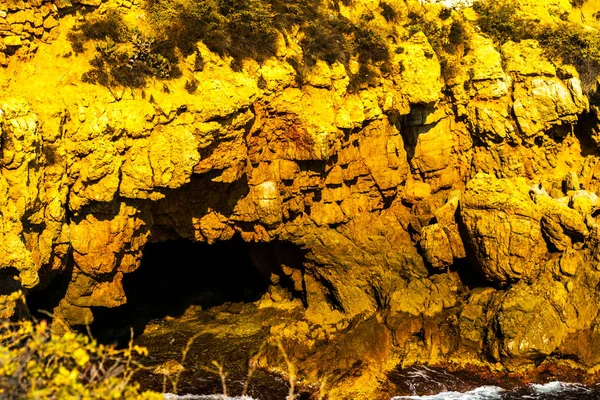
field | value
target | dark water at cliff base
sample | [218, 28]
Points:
[548, 391]
[428, 383]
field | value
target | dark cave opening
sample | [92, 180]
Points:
[470, 278]
[42, 301]
[176, 274]
[9, 281]
[44, 298]
[585, 129]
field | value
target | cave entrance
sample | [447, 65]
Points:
[176, 274]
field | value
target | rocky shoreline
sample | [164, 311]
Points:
[434, 213]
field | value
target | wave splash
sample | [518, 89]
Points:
[547, 391]
[481, 393]
[430, 383]
[170, 396]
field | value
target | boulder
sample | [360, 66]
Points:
[171, 367]
[436, 247]
[420, 80]
[13, 41]
[541, 103]
[561, 225]
[585, 202]
[529, 326]
[502, 226]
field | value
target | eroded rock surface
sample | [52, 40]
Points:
[442, 219]
[503, 228]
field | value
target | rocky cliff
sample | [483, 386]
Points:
[448, 213]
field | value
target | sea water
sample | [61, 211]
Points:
[428, 383]
[548, 391]
[170, 396]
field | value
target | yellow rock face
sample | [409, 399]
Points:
[503, 226]
[420, 81]
[442, 214]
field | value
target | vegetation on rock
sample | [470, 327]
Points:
[123, 56]
[578, 3]
[237, 29]
[36, 363]
[563, 40]
[502, 22]
[446, 32]
[251, 29]
[576, 46]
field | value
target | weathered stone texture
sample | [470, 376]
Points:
[503, 228]
[445, 218]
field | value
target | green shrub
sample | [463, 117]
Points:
[458, 33]
[191, 86]
[326, 40]
[250, 28]
[295, 13]
[578, 3]
[388, 12]
[568, 42]
[123, 57]
[199, 62]
[38, 364]
[370, 46]
[366, 76]
[576, 46]
[110, 26]
[445, 13]
[300, 69]
[447, 35]
[77, 42]
[239, 29]
[500, 20]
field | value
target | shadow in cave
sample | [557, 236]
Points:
[412, 125]
[470, 278]
[45, 297]
[174, 275]
[587, 123]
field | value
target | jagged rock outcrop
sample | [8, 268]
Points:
[503, 228]
[440, 214]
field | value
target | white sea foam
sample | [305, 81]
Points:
[481, 393]
[450, 3]
[536, 391]
[170, 396]
[558, 387]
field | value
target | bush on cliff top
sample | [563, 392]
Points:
[124, 56]
[576, 46]
[250, 29]
[566, 41]
[500, 20]
[578, 3]
[236, 28]
[446, 32]
[37, 364]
